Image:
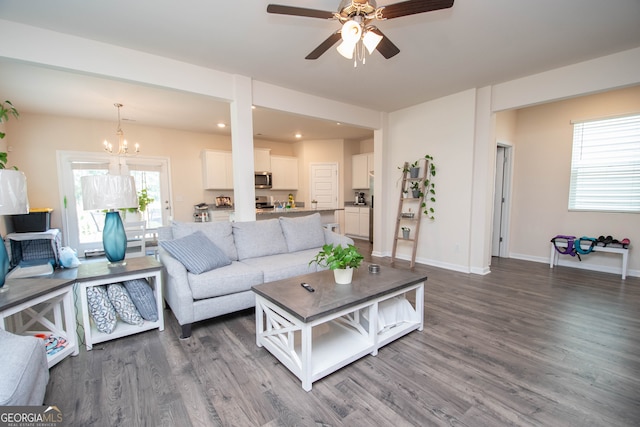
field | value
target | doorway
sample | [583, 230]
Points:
[324, 184]
[502, 201]
[83, 229]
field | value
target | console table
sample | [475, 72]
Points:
[96, 273]
[37, 306]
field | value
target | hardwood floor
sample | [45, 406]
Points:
[525, 346]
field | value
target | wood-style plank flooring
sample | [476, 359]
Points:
[523, 346]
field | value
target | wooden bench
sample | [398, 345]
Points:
[553, 258]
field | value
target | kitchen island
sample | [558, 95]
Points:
[327, 215]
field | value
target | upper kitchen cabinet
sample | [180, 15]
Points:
[284, 173]
[262, 160]
[361, 165]
[217, 170]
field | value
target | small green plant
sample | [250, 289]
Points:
[143, 201]
[338, 257]
[6, 110]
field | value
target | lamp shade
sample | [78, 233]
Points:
[13, 193]
[371, 40]
[108, 192]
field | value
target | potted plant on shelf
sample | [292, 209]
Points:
[339, 259]
[413, 168]
[415, 190]
[314, 204]
[405, 232]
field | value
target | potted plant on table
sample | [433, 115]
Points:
[339, 259]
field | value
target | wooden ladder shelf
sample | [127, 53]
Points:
[410, 210]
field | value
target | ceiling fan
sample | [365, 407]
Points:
[356, 17]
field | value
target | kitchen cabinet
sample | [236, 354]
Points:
[262, 160]
[361, 165]
[284, 172]
[217, 170]
[356, 221]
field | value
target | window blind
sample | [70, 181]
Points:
[605, 165]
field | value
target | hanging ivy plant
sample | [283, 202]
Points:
[430, 188]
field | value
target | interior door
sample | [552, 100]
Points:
[324, 184]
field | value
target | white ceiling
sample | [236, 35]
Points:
[473, 44]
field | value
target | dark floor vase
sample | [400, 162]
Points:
[114, 238]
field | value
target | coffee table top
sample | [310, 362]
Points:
[330, 297]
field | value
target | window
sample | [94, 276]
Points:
[605, 165]
[83, 229]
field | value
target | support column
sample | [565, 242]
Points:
[242, 150]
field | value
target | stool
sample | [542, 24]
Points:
[332, 226]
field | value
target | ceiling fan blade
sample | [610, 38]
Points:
[386, 47]
[298, 11]
[411, 7]
[324, 46]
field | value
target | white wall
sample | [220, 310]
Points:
[544, 137]
[443, 128]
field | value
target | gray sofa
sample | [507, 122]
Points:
[24, 372]
[257, 251]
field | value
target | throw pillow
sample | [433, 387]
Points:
[303, 232]
[219, 232]
[121, 301]
[259, 238]
[101, 310]
[196, 252]
[142, 296]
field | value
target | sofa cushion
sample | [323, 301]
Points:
[25, 372]
[121, 301]
[303, 232]
[259, 238]
[230, 279]
[101, 309]
[219, 233]
[196, 252]
[282, 266]
[142, 296]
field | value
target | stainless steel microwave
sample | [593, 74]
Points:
[263, 179]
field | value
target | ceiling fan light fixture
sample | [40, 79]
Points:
[371, 40]
[346, 49]
[351, 32]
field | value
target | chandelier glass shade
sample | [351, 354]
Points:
[123, 145]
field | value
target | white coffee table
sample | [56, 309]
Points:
[316, 333]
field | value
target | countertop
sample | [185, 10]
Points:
[293, 211]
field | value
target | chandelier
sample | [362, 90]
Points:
[123, 145]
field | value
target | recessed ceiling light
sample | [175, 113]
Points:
[222, 125]
[298, 135]
[338, 123]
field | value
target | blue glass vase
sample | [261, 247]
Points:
[4, 263]
[114, 238]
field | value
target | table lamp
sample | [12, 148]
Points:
[13, 200]
[110, 192]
